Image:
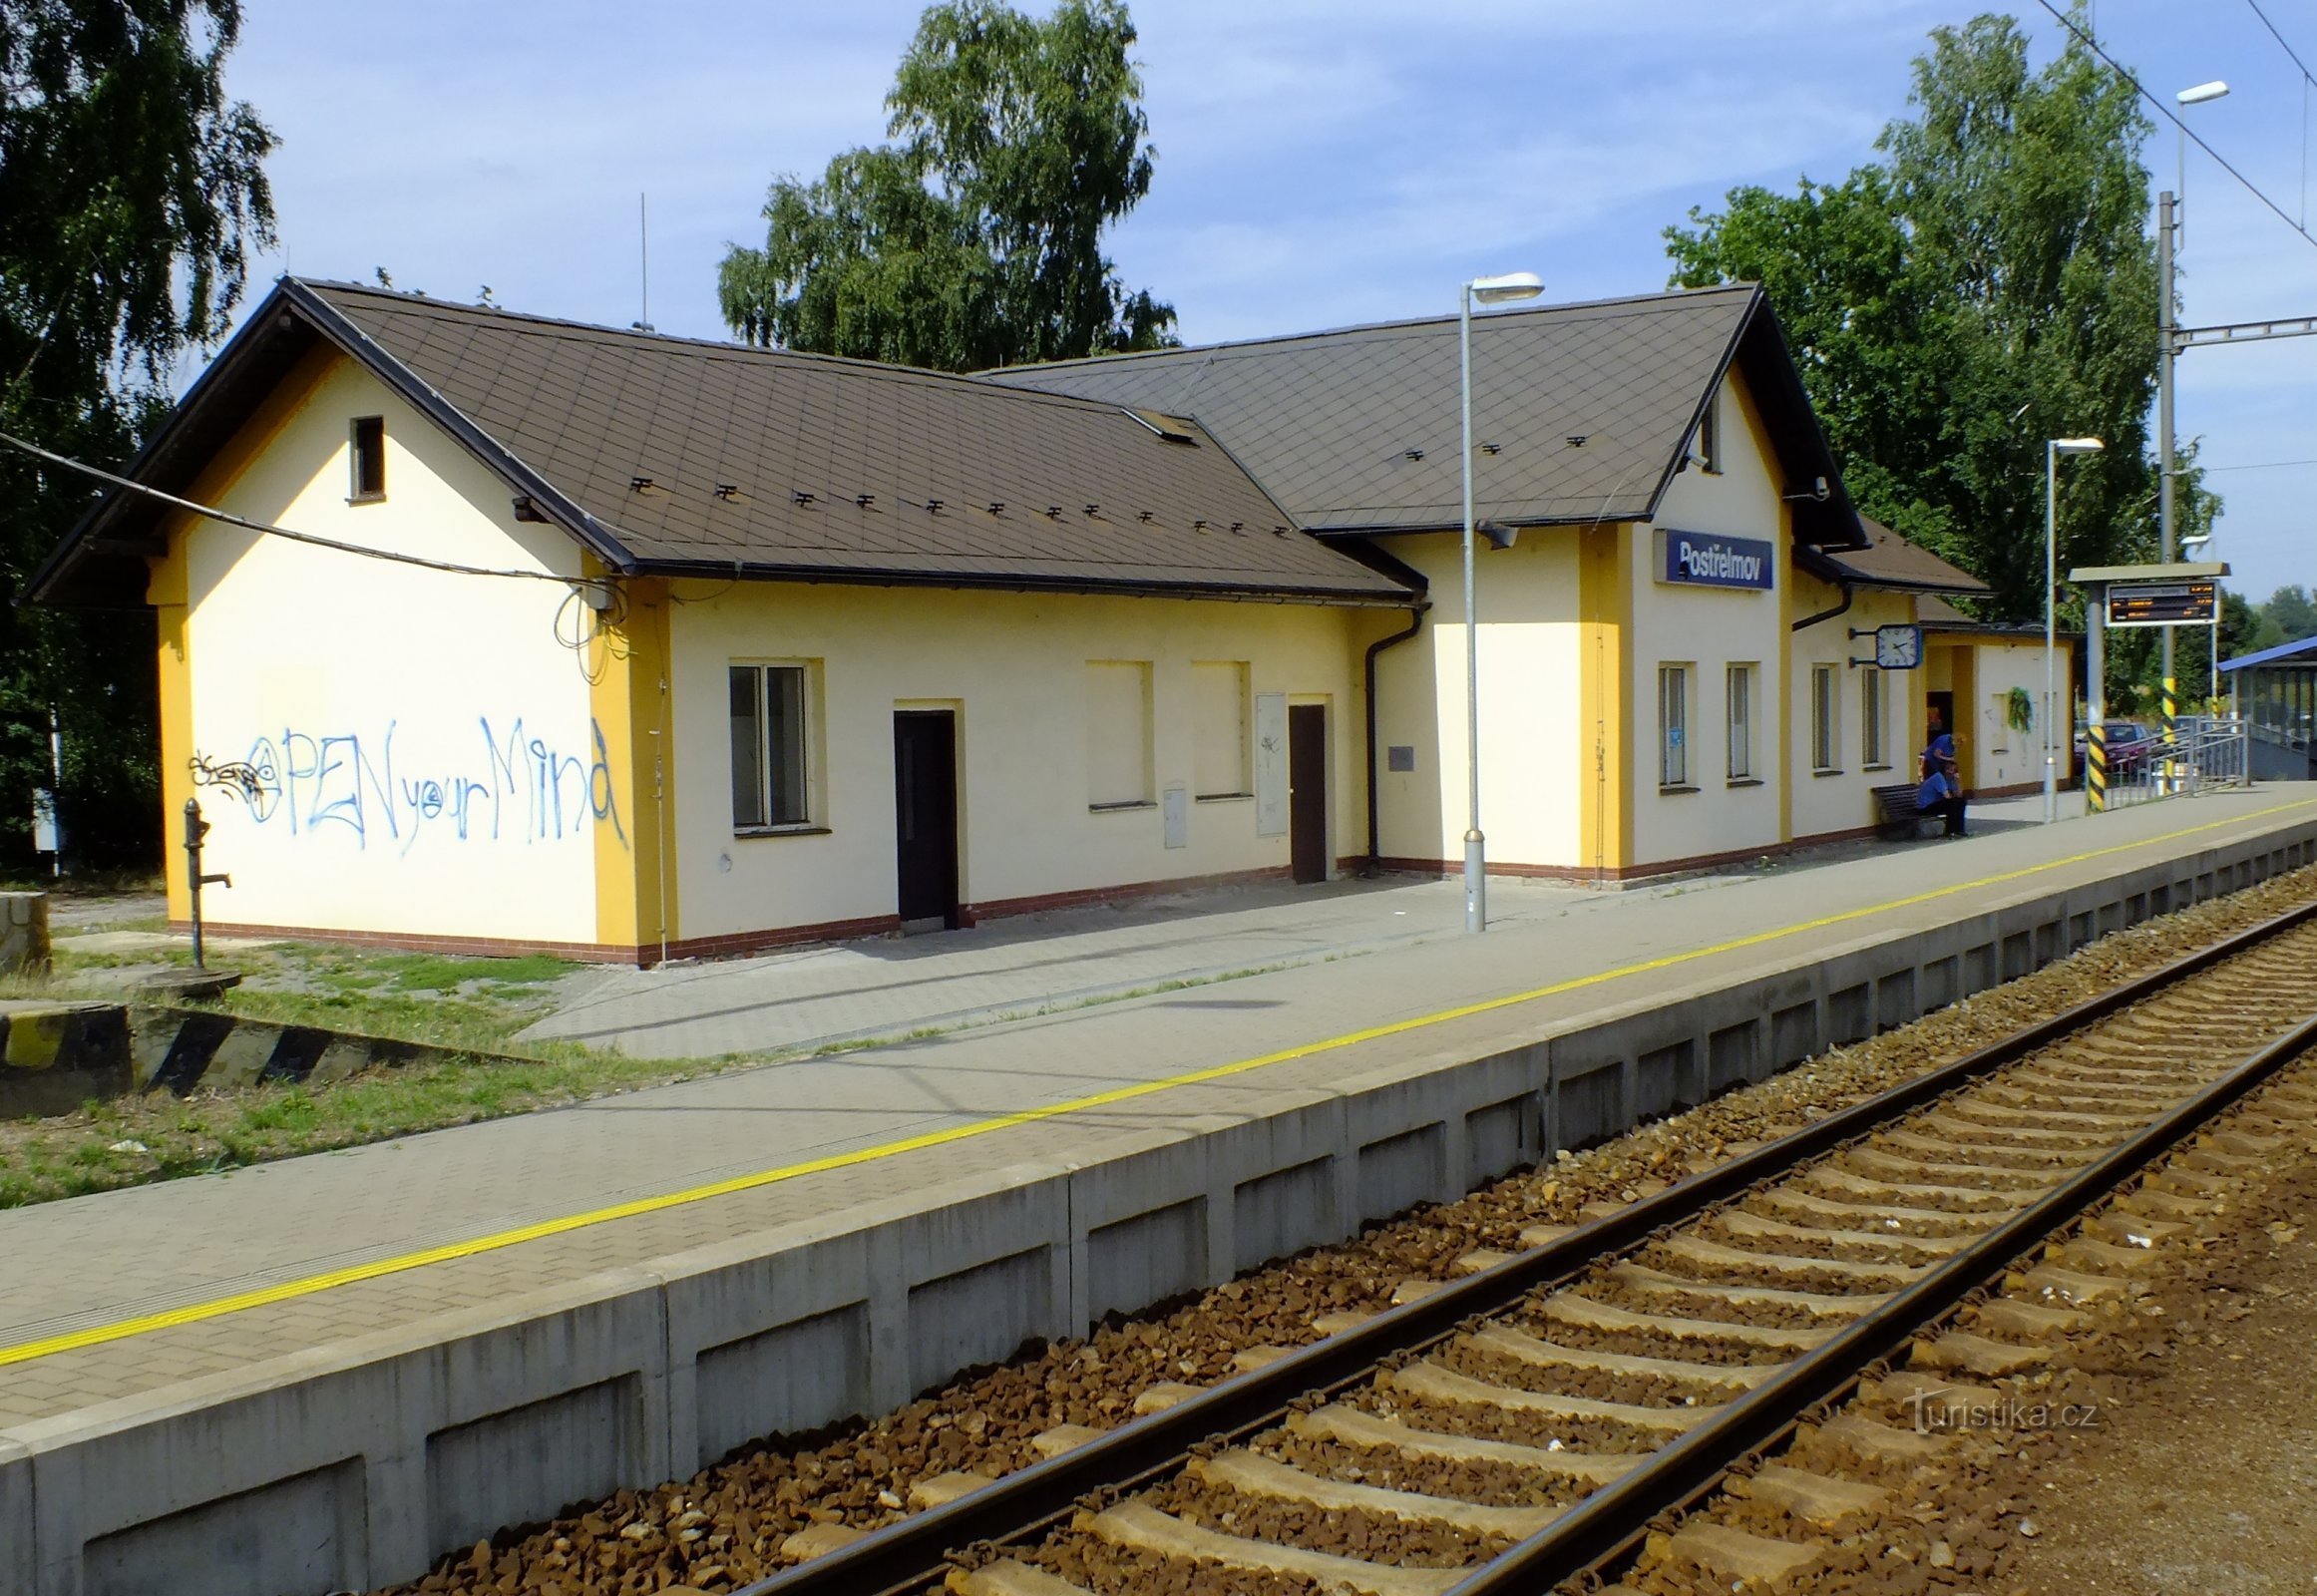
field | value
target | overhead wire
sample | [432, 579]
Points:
[2177, 121]
[2309, 82]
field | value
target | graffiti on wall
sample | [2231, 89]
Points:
[513, 785]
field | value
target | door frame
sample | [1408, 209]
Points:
[1326, 707]
[953, 913]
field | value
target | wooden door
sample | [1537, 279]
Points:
[925, 801]
[1308, 790]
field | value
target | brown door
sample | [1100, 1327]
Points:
[1308, 790]
[925, 801]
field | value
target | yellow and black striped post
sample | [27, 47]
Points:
[2095, 767]
[2171, 709]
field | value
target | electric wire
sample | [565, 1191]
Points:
[2307, 83]
[2175, 119]
[212, 512]
[2261, 464]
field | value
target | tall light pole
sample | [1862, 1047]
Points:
[2167, 228]
[1490, 291]
[2054, 448]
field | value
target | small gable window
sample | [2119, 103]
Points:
[1710, 435]
[369, 464]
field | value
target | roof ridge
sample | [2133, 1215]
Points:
[713, 348]
[1635, 303]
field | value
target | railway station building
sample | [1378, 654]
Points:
[512, 633]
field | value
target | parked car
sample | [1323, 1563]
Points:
[2127, 743]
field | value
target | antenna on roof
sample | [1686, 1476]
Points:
[643, 251]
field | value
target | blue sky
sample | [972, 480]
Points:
[1321, 162]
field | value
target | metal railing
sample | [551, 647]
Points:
[2205, 751]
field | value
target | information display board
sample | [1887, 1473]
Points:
[2162, 604]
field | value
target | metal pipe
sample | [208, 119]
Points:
[1475, 844]
[1416, 624]
[2166, 323]
[2051, 586]
[1848, 593]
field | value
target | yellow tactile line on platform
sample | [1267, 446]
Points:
[196, 1313]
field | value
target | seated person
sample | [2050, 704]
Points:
[1941, 793]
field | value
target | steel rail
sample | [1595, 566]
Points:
[911, 1553]
[1610, 1519]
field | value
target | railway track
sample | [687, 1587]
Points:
[1510, 1429]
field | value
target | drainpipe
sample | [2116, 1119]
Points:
[1416, 624]
[1828, 614]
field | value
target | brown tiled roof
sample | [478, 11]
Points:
[1890, 562]
[672, 455]
[1936, 614]
[1359, 431]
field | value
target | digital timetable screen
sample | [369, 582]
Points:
[2161, 603]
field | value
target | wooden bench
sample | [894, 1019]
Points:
[1895, 814]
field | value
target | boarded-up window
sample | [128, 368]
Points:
[1218, 729]
[1825, 695]
[1117, 732]
[1870, 726]
[1741, 722]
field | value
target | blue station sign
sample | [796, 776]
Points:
[1710, 560]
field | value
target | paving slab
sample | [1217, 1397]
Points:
[806, 1140]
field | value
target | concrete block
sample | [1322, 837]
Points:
[1284, 1211]
[24, 943]
[977, 1316]
[19, 1553]
[1134, 1261]
[303, 1533]
[1396, 1173]
[525, 1462]
[1499, 1137]
[55, 1057]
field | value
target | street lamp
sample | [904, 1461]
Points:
[2212, 694]
[2202, 94]
[2054, 448]
[1496, 290]
[2169, 234]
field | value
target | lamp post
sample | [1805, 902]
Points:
[2054, 448]
[2211, 692]
[1495, 290]
[2167, 232]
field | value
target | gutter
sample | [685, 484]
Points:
[1416, 624]
[1849, 593]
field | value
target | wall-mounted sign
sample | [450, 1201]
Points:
[1710, 560]
[2159, 604]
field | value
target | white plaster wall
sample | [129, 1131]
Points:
[1013, 666]
[422, 746]
[1998, 756]
[1709, 629]
[1533, 752]
[1845, 801]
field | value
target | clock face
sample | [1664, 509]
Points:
[1898, 647]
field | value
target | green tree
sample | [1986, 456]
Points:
[977, 239]
[131, 192]
[1987, 284]
[2289, 615]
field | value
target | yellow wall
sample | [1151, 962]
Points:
[1529, 710]
[1012, 668]
[1994, 754]
[1708, 630]
[389, 748]
[1843, 801]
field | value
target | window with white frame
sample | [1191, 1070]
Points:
[1219, 751]
[1741, 722]
[1871, 750]
[771, 784]
[1825, 706]
[1673, 725]
[1118, 761]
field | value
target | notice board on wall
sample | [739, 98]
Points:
[1270, 764]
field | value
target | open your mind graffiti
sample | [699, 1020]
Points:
[511, 786]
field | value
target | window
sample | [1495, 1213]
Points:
[1870, 707]
[1117, 734]
[768, 747]
[1218, 729]
[1741, 722]
[1673, 725]
[1710, 435]
[368, 480]
[1825, 696]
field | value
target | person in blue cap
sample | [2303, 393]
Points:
[1941, 793]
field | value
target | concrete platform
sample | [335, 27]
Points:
[318, 1373]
